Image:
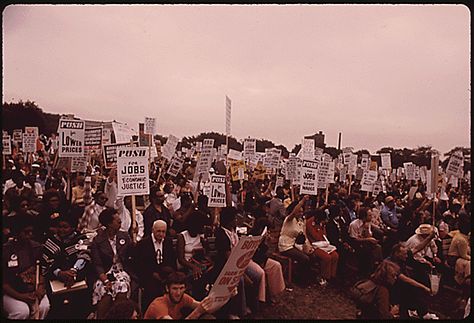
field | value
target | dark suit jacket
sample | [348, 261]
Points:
[145, 260]
[102, 253]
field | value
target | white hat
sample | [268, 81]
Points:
[424, 229]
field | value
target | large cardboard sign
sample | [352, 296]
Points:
[237, 169]
[307, 149]
[169, 148]
[272, 158]
[132, 171]
[323, 173]
[386, 161]
[78, 164]
[368, 181]
[234, 268]
[17, 136]
[346, 155]
[204, 161]
[29, 139]
[250, 147]
[123, 133]
[291, 168]
[150, 125]
[217, 195]
[309, 177]
[365, 162]
[175, 166]
[455, 163]
[93, 137]
[234, 154]
[352, 164]
[6, 145]
[71, 138]
[110, 153]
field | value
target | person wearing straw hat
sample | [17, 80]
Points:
[429, 254]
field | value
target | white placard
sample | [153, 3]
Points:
[93, 137]
[368, 180]
[6, 145]
[71, 138]
[204, 163]
[150, 125]
[272, 158]
[78, 164]
[169, 148]
[323, 174]
[365, 162]
[410, 171]
[331, 172]
[123, 133]
[455, 163]
[234, 268]
[106, 136]
[307, 149]
[309, 177]
[250, 148]
[346, 155]
[217, 196]
[234, 154]
[29, 139]
[352, 164]
[175, 166]
[17, 136]
[132, 171]
[386, 161]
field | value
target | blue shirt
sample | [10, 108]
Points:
[390, 217]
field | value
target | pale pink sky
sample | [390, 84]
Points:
[383, 75]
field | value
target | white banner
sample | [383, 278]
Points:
[234, 268]
[150, 125]
[132, 171]
[309, 177]
[71, 138]
[217, 196]
[6, 145]
[386, 161]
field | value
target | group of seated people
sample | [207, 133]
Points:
[164, 264]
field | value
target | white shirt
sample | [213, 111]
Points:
[357, 230]
[158, 246]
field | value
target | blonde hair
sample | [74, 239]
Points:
[381, 274]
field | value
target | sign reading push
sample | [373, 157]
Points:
[71, 138]
[132, 171]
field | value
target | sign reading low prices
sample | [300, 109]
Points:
[309, 177]
[29, 139]
[234, 268]
[132, 171]
[217, 195]
[71, 138]
[6, 145]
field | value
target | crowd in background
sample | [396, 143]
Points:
[76, 228]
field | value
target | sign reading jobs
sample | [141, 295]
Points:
[132, 171]
[71, 138]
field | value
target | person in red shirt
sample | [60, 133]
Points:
[316, 231]
[175, 303]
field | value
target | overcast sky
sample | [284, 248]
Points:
[385, 75]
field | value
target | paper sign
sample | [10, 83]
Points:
[235, 166]
[71, 138]
[78, 164]
[365, 162]
[250, 147]
[346, 155]
[204, 162]
[455, 163]
[234, 154]
[307, 149]
[234, 268]
[309, 177]
[123, 133]
[352, 165]
[331, 172]
[93, 137]
[175, 166]
[272, 158]
[17, 136]
[6, 145]
[106, 136]
[323, 174]
[343, 174]
[29, 139]
[169, 148]
[368, 181]
[259, 171]
[110, 153]
[150, 125]
[217, 195]
[132, 171]
[386, 161]
[433, 181]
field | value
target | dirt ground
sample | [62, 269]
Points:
[332, 302]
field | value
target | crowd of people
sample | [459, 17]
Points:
[73, 230]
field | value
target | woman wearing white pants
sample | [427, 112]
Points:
[20, 292]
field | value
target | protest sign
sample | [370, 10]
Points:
[307, 149]
[291, 169]
[259, 171]
[204, 161]
[386, 161]
[433, 181]
[250, 147]
[237, 169]
[17, 136]
[106, 136]
[234, 154]
[169, 148]
[346, 155]
[93, 137]
[150, 124]
[132, 171]
[234, 268]
[218, 194]
[123, 133]
[368, 180]
[359, 173]
[323, 174]
[377, 188]
[455, 163]
[6, 145]
[331, 172]
[272, 158]
[227, 115]
[62, 163]
[71, 138]
[343, 173]
[198, 146]
[409, 170]
[373, 165]
[175, 166]
[110, 153]
[423, 174]
[318, 153]
[78, 164]
[29, 139]
[352, 165]
[309, 177]
[208, 143]
[365, 162]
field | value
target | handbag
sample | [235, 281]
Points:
[300, 239]
[363, 292]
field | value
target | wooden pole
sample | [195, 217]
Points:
[350, 184]
[37, 301]
[327, 194]
[134, 224]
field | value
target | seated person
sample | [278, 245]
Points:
[316, 231]
[293, 242]
[65, 258]
[176, 302]
[19, 259]
[154, 260]
[369, 249]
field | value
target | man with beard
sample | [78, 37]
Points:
[175, 303]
